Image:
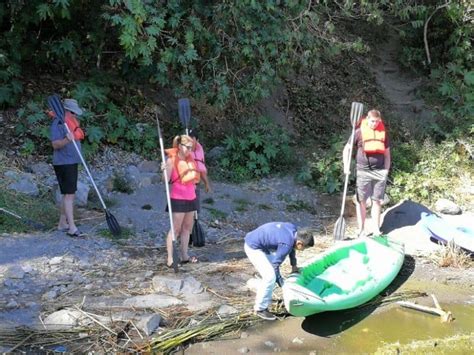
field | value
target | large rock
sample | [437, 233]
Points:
[64, 319]
[149, 323]
[166, 284]
[151, 301]
[146, 166]
[132, 175]
[15, 272]
[81, 197]
[41, 168]
[175, 286]
[447, 207]
[26, 186]
[226, 310]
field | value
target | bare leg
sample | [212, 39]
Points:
[62, 218]
[177, 223]
[361, 212]
[375, 215]
[186, 229]
[68, 201]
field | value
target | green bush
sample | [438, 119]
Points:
[430, 172]
[254, 151]
[324, 171]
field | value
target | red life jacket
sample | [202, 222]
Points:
[73, 125]
[186, 168]
[373, 140]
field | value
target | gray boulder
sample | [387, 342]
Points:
[447, 207]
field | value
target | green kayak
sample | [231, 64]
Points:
[347, 275]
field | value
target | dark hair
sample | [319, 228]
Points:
[194, 132]
[305, 236]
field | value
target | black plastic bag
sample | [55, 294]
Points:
[198, 235]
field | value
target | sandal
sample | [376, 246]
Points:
[192, 260]
[76, 234]
[170, 266]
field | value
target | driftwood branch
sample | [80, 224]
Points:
[446, 316]
[425, 31]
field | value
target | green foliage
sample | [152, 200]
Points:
[33, 126]
[39, 209]
[429, 173]
[10, 84]
[126, 233]
[325, 171]
[299, 205]
[121, 184]
[254, 151]
[449, 38]
[215, 51]
[215, 213]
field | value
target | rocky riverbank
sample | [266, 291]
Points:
[54, 282]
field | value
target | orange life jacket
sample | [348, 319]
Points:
[186, 168]
[73, 125]
[373, 140]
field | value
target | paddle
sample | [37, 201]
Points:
[27, 221]
[54, 102]
[184, 112]
[340, 226]
[168, 199]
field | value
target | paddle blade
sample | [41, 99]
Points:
[55, 104]
[184, 111]
[356, 112]
[112, 223]
[175, 255]
[339, 229]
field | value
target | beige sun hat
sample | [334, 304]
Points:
[73, 106]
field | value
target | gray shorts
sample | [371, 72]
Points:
[371, 183]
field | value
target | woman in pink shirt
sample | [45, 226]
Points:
[182, 169]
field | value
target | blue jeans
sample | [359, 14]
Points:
[263, 264]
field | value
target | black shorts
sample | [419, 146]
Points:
[67, 178]
[183, 206]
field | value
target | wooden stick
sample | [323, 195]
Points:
[435, 301]
[95, 320]
[446, 317]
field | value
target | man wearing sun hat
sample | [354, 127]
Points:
[65, 163]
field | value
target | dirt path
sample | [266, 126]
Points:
[400, 88]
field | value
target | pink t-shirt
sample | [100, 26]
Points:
[180, 191]
[198, 156]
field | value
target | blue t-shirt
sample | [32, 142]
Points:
[277, 237]
[67, 154]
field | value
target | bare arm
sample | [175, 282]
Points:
[387, 159]
[61, 143]
[205, 180]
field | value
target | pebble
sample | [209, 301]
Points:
[12, 304]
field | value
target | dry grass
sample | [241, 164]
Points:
[451, 255]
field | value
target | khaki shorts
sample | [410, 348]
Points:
[371, 183]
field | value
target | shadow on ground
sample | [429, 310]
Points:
[403, 214]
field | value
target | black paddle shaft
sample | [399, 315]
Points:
[184, 112]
